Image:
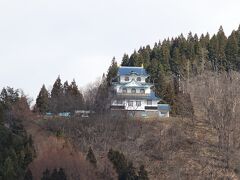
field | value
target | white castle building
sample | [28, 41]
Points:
[132, 93]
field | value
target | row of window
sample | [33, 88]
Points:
[138, 103]
[133, 90]
[127, 78]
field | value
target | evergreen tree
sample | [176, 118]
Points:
[76, 97]
[133, 60]
[16, 150]
[124, 169]
[42, 101]
[125, 60]
[165, 56]
[112, 71]
[232, 52]
[57, 89]
[91, 157]
[57, 96]
[221, 57]
[213, 54]
[67, 97]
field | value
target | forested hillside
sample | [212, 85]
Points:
[169, 63]
[16, 147]
[180, 58]
[199, 78]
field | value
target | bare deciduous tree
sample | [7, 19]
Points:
[218, 98]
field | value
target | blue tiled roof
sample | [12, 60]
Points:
[164, 107]
[127, 70]
[152, 96]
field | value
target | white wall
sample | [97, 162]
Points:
[135, 107]
[119, 89]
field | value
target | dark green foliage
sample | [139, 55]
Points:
[181, 58]
[125, 60]
[231, 50]
[91, 157]
[112, 71]
[63, 98]
[16, 148]
[55, 175]
[142, 173]
[42, 101]
[103, 96]
[124, 169]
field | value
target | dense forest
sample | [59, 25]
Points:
[62, 98]
[178, 59]
[16, 147]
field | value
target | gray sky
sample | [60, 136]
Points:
[41, 39]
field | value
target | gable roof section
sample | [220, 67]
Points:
[128, 70]
[134, 83]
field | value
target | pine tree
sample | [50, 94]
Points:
[232, 52]
[221, 57]
[57, 89]
[57, 96]
[124, 169]
[142, 173]
[165, 56]
[91, 157]
[125, 60]
[133, 60]
[112, 71]
[213, 54]
[76, 97]
[67, 97]
[42, 101]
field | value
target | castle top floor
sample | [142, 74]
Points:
[127, 74]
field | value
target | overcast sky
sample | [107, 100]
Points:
[41, 39]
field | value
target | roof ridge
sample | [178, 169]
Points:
[131, 67]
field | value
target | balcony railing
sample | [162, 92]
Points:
[131, 95]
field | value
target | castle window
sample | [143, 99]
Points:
[126, 78]
[138, 103]
[133, 90]
[130, 103]
[149, 102]
[124, 90]
[142, 91]
[138, 78]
